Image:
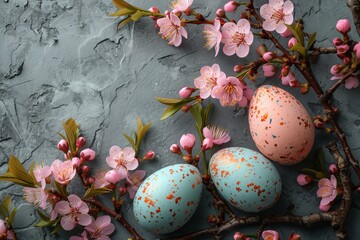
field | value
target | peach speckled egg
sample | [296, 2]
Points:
[280, 125]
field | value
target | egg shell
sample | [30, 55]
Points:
[168, 198]
[245, 178]
[280, 125]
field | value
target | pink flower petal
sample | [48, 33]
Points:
[207, 133]
[131, 192]
[115, 151]
[249, 38]
[243, 50]
[205, 93]
[174, 19]
[333, 181]
[109, 229]
[129, 153]
[199, 82]
[243, 25]
[84, 219]
[277, 4]
[132, 165]
[183, 32]
[243, 102]
[63, 207]
[266, 11]
[280, 28]
[288, 8]
[122, 172]
[67, 223]
[140, 173]
[269, 25]
[351, 82]
[75, 201]
[111, 162]
[176, 40]
[288, 19]
[229, 50]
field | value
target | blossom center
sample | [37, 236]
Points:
[278, 15]
[238, 38]
[121, 162]
[172, 30]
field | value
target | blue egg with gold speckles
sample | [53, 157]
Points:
[245, 178]
[168, 198]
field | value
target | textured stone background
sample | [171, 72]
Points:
[65, 58]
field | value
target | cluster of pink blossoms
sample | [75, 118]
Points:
[266, 235]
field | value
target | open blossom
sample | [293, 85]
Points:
[63, 172]
[237, 38]
[214, 135]
[171, 29]
[41, 173]
[83, 236]
[134, 180]
[36, 196]
[182, 5]
[101, 228]
[270, 235]
[350, 82]
[74, 211]
[122, 160]
[276, 14]
[228, 91]
[213, 36]
[289, 79]
[208, 79]
[327, 190]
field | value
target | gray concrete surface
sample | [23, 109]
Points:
[65, 58]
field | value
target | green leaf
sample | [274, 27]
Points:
[300, 49]
[298, 29]
[141, 133]
[311, 40]
[173, 101]
[136, 16]
[6, 203]
[294, 32]
[42, 223]
[61, 189]
[42, 216]
[58, 228]
[206, 114]
[130, 140]
[171, 110]
[124, 22]
[196, 111]
[92, 191]
[12, 215]
[320, 160]
[122, 12]
[314, 173]
[123, 4]
[16, 173]
[72, 133]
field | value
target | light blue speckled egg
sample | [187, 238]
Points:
[168, 198]
[245, 178]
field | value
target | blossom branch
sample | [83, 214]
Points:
[321, 50]
[328, 93]
[116, 216]
[354, 6]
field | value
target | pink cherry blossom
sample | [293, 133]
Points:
[276, 14]
[113, 176]
[41, 173]
[325, 208]
[186, 92]
[83, 236]
[327, 190]
[187, 142]
[247, 95]
[150, 155]
[213, 36]
[134, 180]
[100, 180]
[304, 179]
[237, 38]
[80, 142]
[171, 29]
[122, 160]
[269, 70]
[63, 172]
[343, 26]
[333, 169]
[239, 236]
[36, 196]
[101, 228]
[350, 82]
[182, 5]
[174, 148]
[231, 6]
[229, 91]
[87, 154]
[208, 79]
[214, 135]
[74, 211]
[63, 145]
[292, 41]
[270, 235]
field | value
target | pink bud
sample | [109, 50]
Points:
[337, 41]
[87, 154]
[343, 26]
[357, 51]
[270, 234]
[268, 56]
[91, 180]
[287, 33]
[207, 144]
[239, 236]
[285, 71]
[187, 142]
[175, 149]
[220, 13]
[154, 9]
[269, 70]
[186, 92]
[231, 6]
[294, 236]
[63, 145]
[346, 60]
[122, 191]
[80, 142]
[333, 169]
[342, 49]
[238, 68]
[292, 42]
[76, 161]
[319, 124]
[304, 179]
[335, 69]
[325, 208]
[150, 155]
[177, 12]
[113, 176]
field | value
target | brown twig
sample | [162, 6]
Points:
[354, 6]
[328, 93]
[321, 50]
[116, 216]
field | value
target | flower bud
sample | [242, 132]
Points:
[285, 71]
[186, 108]
[268, 56]
[220, 13]
[207, 144]
[112, 176]
[186, 92]
[342, 49]
[287, 33]
[63, 145]
[87, 154]
[343, 26]
[335, 69]
[187, 158]
[154, 9]
[238, 68]
[319, 124]
[175, 149]
[239, 236]
[76, 162]
[304, 88]
[122, 191]
[304, 179]
[357, 51]
[269, 70]
[337, 41]
[150, 155]
[261, 49]
[231, 6]
[333, 169]
[80, 142]
[324, 208]
[294, 236]
[187, 142]
[91, 180]
[346, 60]
[292, 42]
[85, 169]
[177, 12]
